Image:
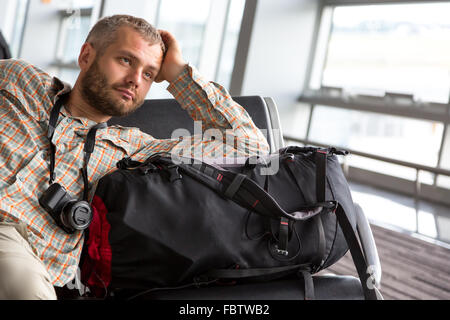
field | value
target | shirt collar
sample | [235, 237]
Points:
[59, 88]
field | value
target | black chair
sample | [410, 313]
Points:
[160, 118]
[5, 53]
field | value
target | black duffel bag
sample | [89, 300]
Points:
[177, 222]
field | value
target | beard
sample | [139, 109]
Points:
[100, 95]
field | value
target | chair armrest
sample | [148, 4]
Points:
[368, 245]
[275, 132]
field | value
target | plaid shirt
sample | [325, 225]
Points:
[27, 95]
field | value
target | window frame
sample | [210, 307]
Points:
[391, 103]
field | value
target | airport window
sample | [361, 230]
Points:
[15, 26]
[380, 81]
[228, 52]
[391, 48]
[75, 23]
[399, 138]
[187, 21]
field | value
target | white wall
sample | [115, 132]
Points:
[279, 48]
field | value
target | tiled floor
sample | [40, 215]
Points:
[413, 243]
[412, 269]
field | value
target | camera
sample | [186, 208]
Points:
[69, 213]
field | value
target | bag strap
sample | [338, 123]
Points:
[252, 272]
[245, 192]
[303, 270]
[347, 229]
[320, 158]
[309, 284]
[356, 253]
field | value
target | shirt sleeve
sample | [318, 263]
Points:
[225, 127]
[27, 87]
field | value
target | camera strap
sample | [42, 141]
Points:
[89, 143]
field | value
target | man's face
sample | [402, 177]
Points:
[117, 82]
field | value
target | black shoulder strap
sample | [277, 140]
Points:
[88, 145]
[321, 157]
[357, 254]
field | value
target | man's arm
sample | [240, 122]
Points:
[227, 129]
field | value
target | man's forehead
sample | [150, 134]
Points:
[127, 33]
[131, 42]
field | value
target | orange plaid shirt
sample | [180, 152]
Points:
[27, 95]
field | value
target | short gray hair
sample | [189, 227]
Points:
[103, 33]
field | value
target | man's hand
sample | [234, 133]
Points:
[173, 63]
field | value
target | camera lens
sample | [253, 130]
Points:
[76, 215]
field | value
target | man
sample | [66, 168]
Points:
[120, 60]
